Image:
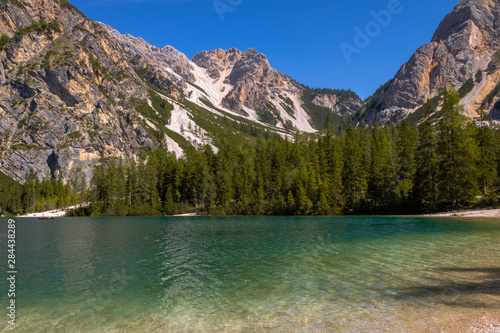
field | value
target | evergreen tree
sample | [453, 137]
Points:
[457, 177]
[406, 148]
[30, 193]
[354, 175]
[427, 166]
[487, 157]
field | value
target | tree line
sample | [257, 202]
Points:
[38, 195]
[446, 162]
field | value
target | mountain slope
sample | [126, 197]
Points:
[73, 90]
[240, 83]
[62, 85]
[462, 54]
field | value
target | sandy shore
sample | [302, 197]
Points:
[492, 213]
[187, 215]
[52, 213]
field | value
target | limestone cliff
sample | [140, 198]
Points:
[63, 84]
[257, 88]
[462, 54]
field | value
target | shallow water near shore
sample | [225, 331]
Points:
[254, 274]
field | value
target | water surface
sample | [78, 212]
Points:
[253, 274]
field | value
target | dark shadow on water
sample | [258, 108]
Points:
[459, 287]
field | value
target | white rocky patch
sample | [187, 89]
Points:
[253, 115]
[148, 122]
[215, 90]
[301, 120]
[174, 146]
[169, 70]
[181, 122]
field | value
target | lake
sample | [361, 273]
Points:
[253, 274]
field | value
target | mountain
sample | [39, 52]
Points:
[73, 90]
[63, 83]
[243, 84]
[463, 53]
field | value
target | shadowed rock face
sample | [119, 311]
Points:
[62, 92]
[463, 44]
[58, 89]
[495, 112]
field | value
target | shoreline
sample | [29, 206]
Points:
[479, 212]
[53, 213]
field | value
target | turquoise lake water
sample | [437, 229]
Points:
[252, 274]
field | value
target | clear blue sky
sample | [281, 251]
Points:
[300, 38]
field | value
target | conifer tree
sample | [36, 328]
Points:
[354, 175]
[487, 157]
[457, 177]
[427, 166]
[381, 169]
[406, 147]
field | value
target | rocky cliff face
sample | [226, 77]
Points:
[242, 83]
[73, 90]
[462, 54]
[218, 63]
[339, 106]
[254, 89]
[253, 82]
[163, 60]
[62, 87]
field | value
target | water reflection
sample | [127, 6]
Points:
[255, 274]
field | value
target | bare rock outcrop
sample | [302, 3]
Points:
[461, 49]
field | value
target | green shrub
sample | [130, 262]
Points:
[424, 111]
[466, 88]
[479, 76]
[75, 135]
[288, 109]
[68, 5]
[3, 41]
[40, 26]
[488, 99]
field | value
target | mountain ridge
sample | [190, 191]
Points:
[74, 90]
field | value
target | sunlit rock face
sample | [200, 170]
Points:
[463, 48]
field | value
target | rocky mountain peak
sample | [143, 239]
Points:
[218, 61]
[167, 57]
[467, 14]
[459, 55]
[251, 51]
[252, 65]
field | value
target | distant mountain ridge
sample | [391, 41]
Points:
[73, 90]
[239, 82]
